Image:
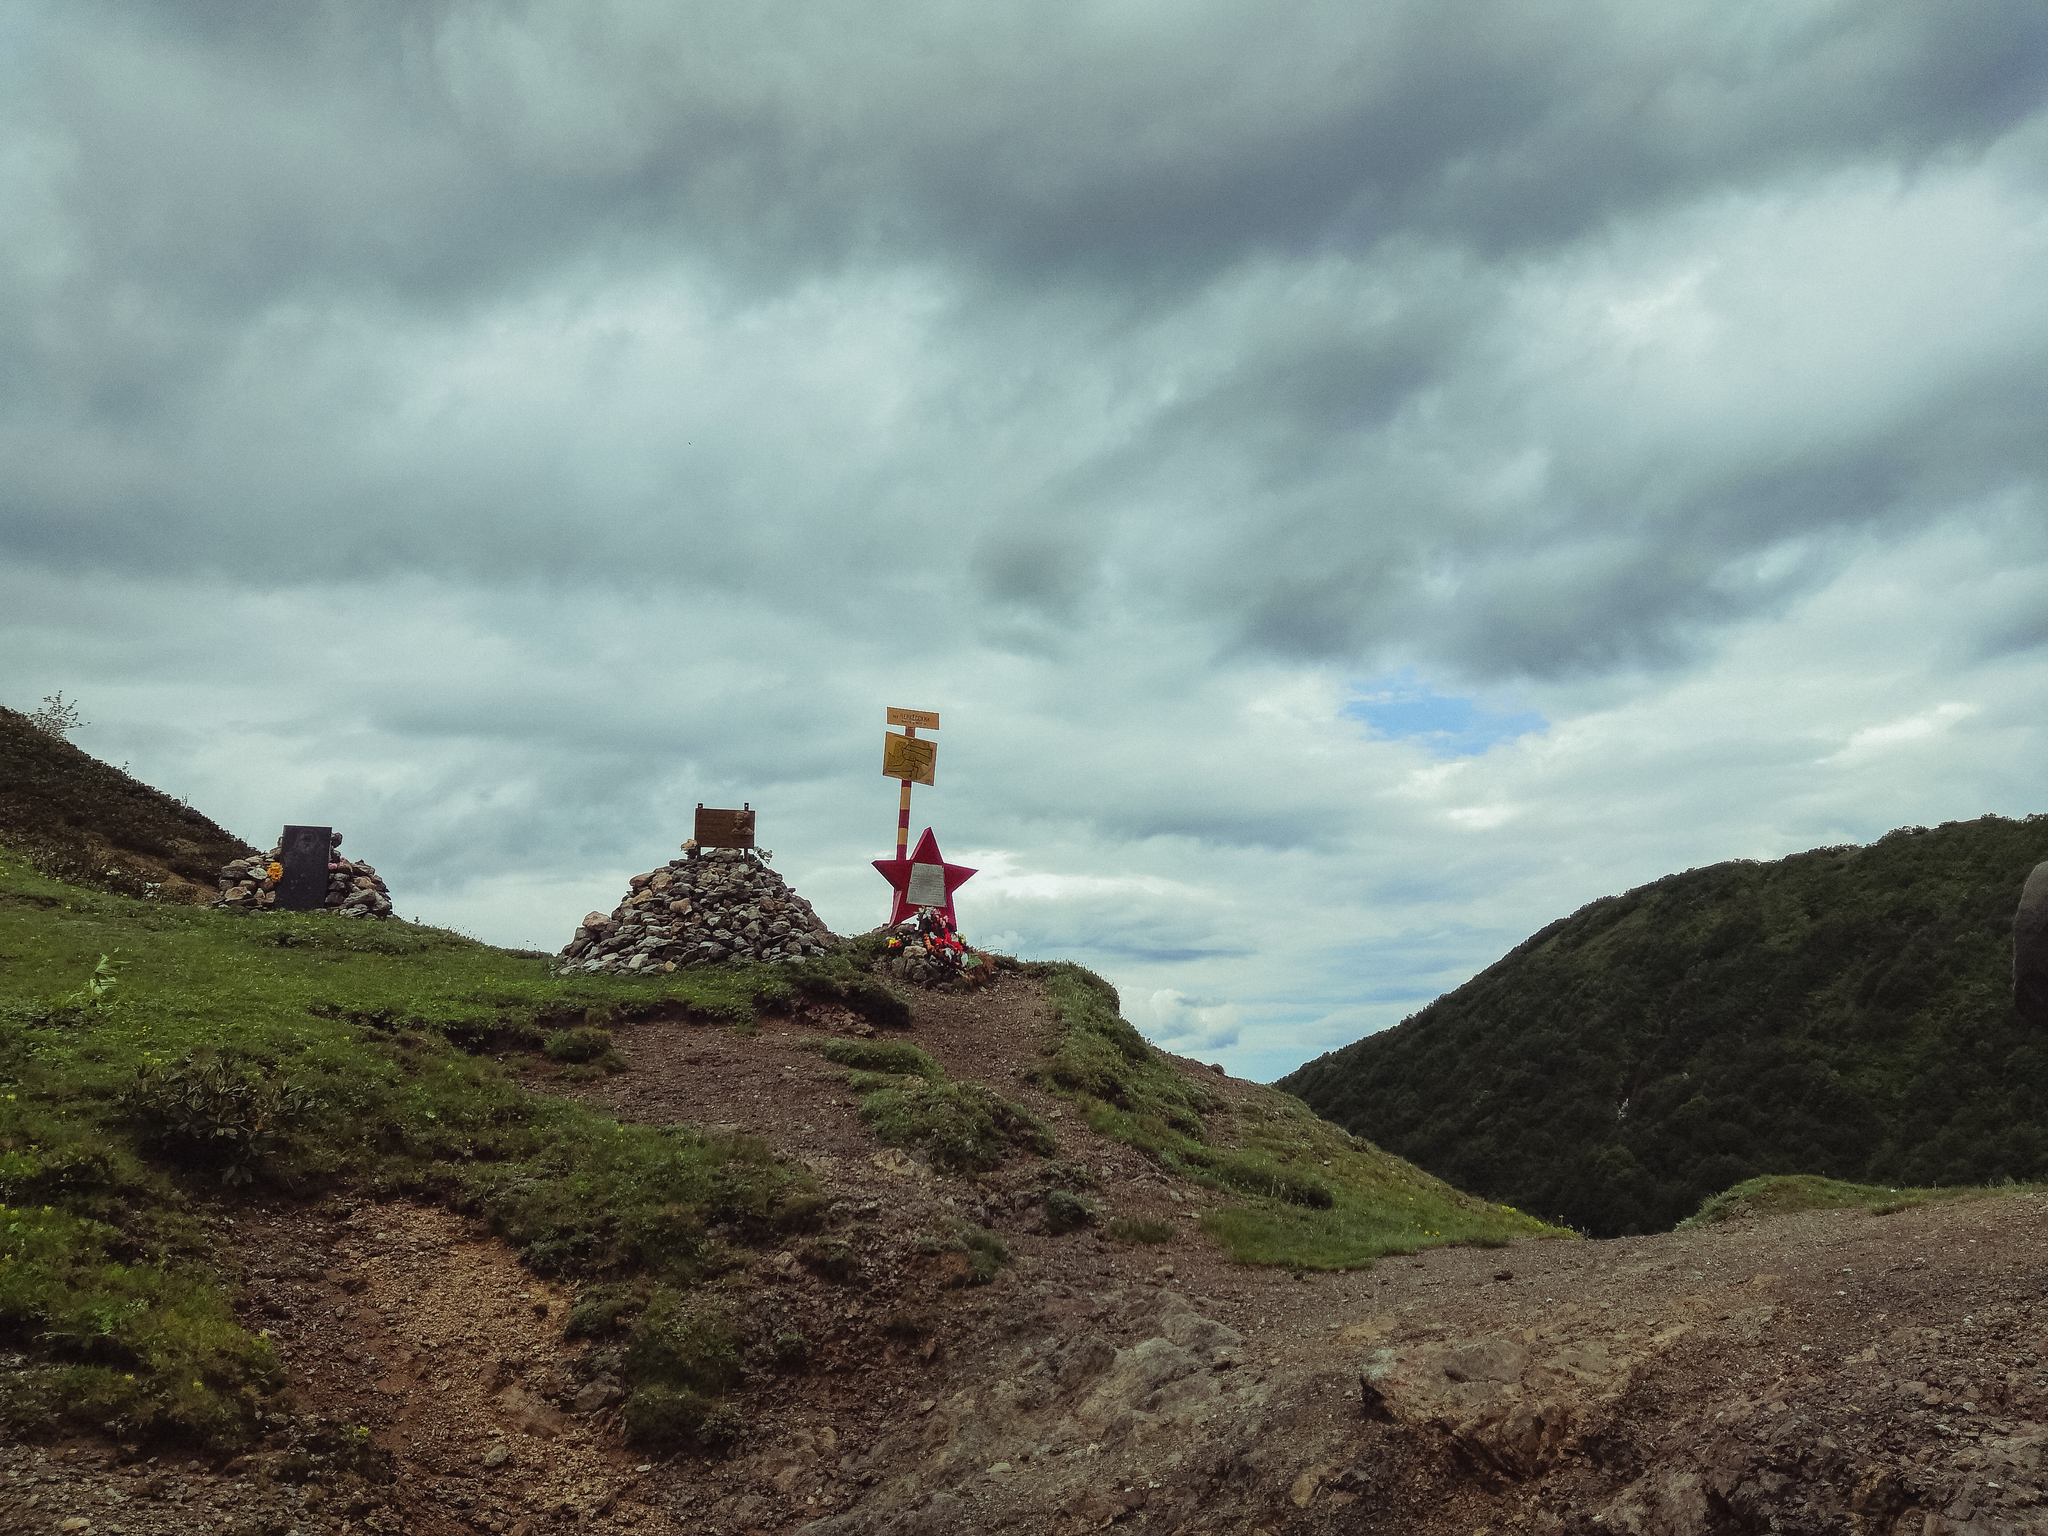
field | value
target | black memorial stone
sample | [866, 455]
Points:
[304, 852]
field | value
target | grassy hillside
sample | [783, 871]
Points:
[1844, 1013]
[155, 1058]
[78, 818]
[1303, 1193]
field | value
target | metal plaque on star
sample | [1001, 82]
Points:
[725, 829]
[905, 757]
[927, 885]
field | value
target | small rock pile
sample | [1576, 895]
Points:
[928, 951]
[721, 907]
[353, 890]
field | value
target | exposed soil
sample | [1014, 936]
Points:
[1832, 1372]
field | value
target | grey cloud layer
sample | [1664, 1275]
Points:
[504, 424]
[1219, 313]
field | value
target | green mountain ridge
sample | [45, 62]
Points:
[1843, 1012]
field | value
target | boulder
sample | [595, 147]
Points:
[2030, 949]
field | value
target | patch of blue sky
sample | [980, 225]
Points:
[1402, 708]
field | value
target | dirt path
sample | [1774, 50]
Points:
[1820, 1373]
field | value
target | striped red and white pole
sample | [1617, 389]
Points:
[903, 806]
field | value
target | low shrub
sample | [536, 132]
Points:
[603, 1309]
[1065, 1212]
[661, 1417]
[680, 1357]
[216, 1109]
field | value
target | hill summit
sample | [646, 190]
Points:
[1845, 1012]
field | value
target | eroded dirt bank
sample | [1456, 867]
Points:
[1835, 1372]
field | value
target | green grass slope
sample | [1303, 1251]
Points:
[83, 820]
[1786, 1193]
[1297, 1191]
[1843, 1013]
[155, 1058]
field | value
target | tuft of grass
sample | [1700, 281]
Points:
[844, 976]
[1315, 1197]
[986, 1253]
[961, 1126]
[1138, 1230]
[1777, 1194]
[577, 1045]
[1068, 1212]
[831, 1257]
[897, 1057]
[909, 1102]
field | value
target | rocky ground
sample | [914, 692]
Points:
[1833, 1372]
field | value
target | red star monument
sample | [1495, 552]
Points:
[924, 879]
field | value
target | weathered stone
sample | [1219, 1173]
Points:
[2030, 949]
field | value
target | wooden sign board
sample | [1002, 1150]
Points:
[922, 719]
[725, 829]
[905, 757]
[304, 852]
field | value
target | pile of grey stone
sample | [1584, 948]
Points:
[353, 890]
[724, 906]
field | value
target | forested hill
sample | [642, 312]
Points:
[1843, 1012]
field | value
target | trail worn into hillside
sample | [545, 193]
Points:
[1832, 1372]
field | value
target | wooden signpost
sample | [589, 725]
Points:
[924, 879]
[914, 762]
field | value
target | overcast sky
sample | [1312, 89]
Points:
[1358, 481]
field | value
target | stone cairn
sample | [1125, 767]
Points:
[353, 890]
[722, 906]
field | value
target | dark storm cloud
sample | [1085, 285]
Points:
[355, 291]
[441, 148]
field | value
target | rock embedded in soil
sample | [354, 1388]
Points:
[2030, 950]
[723, 907]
